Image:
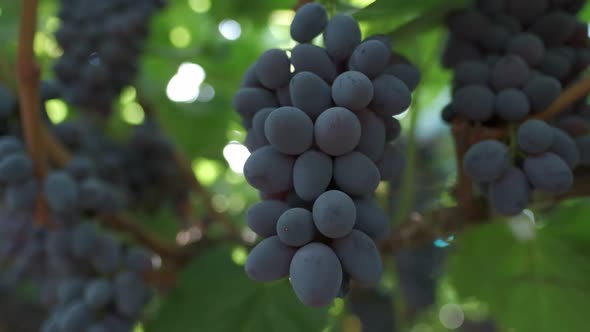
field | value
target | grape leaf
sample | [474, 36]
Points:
[539, 285]
[214, 295]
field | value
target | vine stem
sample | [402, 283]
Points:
[567, 98]
[28, 74]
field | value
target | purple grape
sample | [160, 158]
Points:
[373, 135]
[355, 174]
[273, 68]
[269, 260]
[360, 257]
[309, 22]
[289, 130]
[512, 105]
[475, 102]
[528, 46]
[352, 90]
[310, 93]
[312, 174]
[370, 218]
[565, 147]
[269, 170]
[337, 131]
[311, 58]
[535, 136]
[486, 161]
[549, 173]
[295, 227]
[370, 57]
[334, 214]
[510, 194]
[341, 35]
[262, 217]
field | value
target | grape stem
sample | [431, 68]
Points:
[28, 75]
[567, 98]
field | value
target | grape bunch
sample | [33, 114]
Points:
[511, 60]
[320, 140]
[101, 44]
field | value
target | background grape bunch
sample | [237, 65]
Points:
[320, 137]
[510, 63]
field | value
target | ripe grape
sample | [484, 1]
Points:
[289, 130]
[98, 293]
[486, 161]
[130, 294]
[312, 174]
[547, 172]
[476, 102]
[535, 136]
[528, 46]
[61, 192]
[471, 73]
[512, 105]
[107, 255]
[309, 21]
[355, 174]
[334, 214]
[70, 289]
[247, 101]
[457, 51]
[526, 10]
[392, 127]
[273, 68]
[15, 169]
[495, 38]
[138, 260]
[370, 218]
[565, 147]
[315, 274]
[75, 318]
[337, 131]
[10, 145]
[312, 58]
[21, 197]
[373, 135]
[545, 27]
[391, 96]
[407, 73]
[352, 90]
[510, 194]
[268, 170]
[556, 65]
[468, 24]
[250, 80]
[258, 124]
[262, 217]
[269, 260]
[295, 227]
[370, 58]
[511, 71]
[359, 257]
[542, 91]
[341, 35]
[310, 93]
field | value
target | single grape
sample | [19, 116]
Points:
[310, 93]
[258, 124]
[106, 258]
[407, 73]
[545, 25]
[15, 169]
[138, 260]
[337, 131]
[61, 192]
[511, 71]
[309, 21]
[370, 218]
[273, 68]
[312, 58]
[471, 73]
[334, 214]
[486, 161]
[262, 217]
[512, 105]
[269, 260]
[534, 136]
[80, 168]
[556, 65]
[476, 102]
[70, 289]
[495, 38]
[355, 174]
[547, 172]
[98, 293]
[316, 275]
[130, 294]
[352, 90]
[448, 113]
[512, 24]
[289, 130]
[269, 170]
[510, 194]
[248, 101]
[312, 174]
[542, 91]
[370, 57]
[10, 145]
[21, 197]
[250, 79]
[528, 46]
[84, 240]
[360, 257]
[393, 128]
[341, 35]
[295, 227]
[373, 135]
[391, 96]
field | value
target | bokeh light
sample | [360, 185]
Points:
[236, 155]
[230, 29]
[184, 86]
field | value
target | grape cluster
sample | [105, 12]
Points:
[320, 141]
[101, 44]
[511, 61]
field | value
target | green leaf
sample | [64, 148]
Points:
[214, 295]
[539, 285]
[399, 8]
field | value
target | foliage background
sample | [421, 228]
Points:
[525, 276]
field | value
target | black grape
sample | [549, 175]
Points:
[334, 214]
[391, 96]
[392, 164]
[262, 217]
[545, 27]
[370, 218]
[468, 24]
[258, 124]
[583, 144]
[393, 128]
[471, 73]
[337, 131]
[556, 65]
[309, 22]
[284, 95]
[510, 194]
[130, 294]
[107, 254]
[84, 240]
[138, 260]
[373, 135]
[512, 105]
[355, 174]
[312, 174]
[21, 197]
[491, 6]
[528, 46]
[534, 136]
[316, 275]
[407, 73]
[457, 51]
[547, 172]
[359, 257]
[247, 101]
[495, 38]
[273, 68]
[252, 141]
[565, 147]
[512, 24]
[511, 71]
[526, 10]
[486, 161]
[98, 293]
[70, 289]
[312, 58]
[16, 169]
[370, 58]
[269, 260]
[448, 113]
[10, 145]
[341, 35]
[80, 168]
[476, 102]
[61, 192]
[352, 90]
[386, 41]
[250, 79]
[289, 130]
[295, 227]
[268, 170]
[310, 93]
[542, 91]
[75, 318]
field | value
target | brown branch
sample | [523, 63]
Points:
[567, 98]
[28, 74]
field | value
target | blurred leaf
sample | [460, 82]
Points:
[214, 295]
[539, 285]
[396, 8]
